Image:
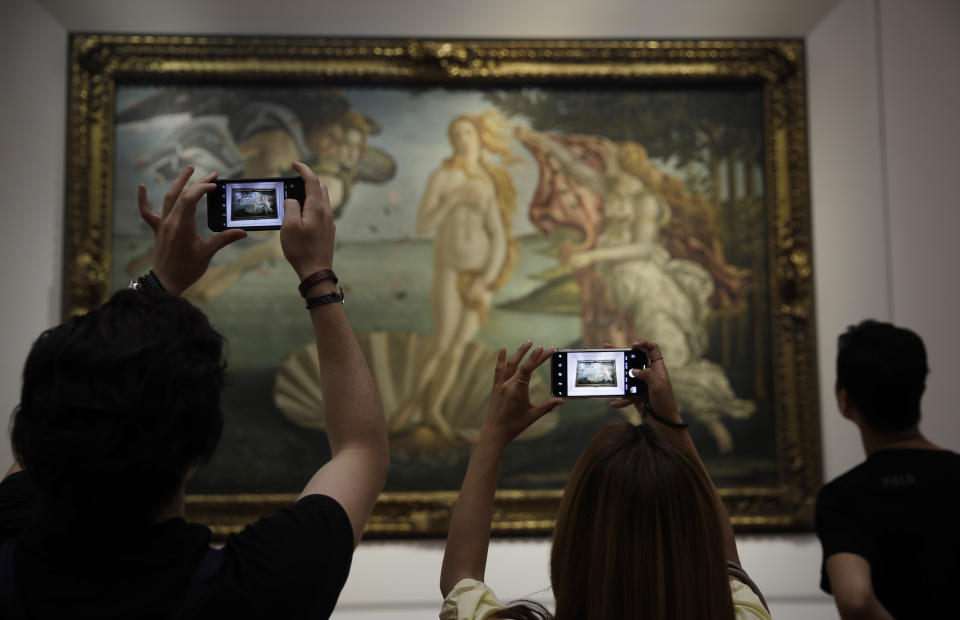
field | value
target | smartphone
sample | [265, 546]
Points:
[592, 373]
[251, 204]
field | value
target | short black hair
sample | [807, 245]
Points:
[117, 405]
[883, 368]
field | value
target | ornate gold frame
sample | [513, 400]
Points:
[99, 61]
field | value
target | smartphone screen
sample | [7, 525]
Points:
[587, 373]
[251, 204]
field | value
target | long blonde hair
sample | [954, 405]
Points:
[495, 137]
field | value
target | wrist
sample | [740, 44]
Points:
[320, 288]
[306, 270]
[152, 282]
[669, 419]
[488, 439]
[309, 283]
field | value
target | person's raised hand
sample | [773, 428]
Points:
[510, 411]
[308, 233]
[659, 396]
[180, 256]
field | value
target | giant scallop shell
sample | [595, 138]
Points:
[392, 358]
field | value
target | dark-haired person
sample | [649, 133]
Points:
[120, 406]
[640, 533]
[889, 527]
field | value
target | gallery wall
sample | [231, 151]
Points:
[882, 145]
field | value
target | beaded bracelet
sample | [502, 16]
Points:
[329, 298]
[664, 421]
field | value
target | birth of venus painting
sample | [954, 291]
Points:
[470, 216]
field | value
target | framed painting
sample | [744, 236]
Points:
[486, 192]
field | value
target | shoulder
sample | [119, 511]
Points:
[932, 466]
[948, 458]
[837, 514]
[297, 558]
[444, 178]
[469, 600]
[447, 171]
[18, 498]
[840, 487]
[848, 482]
[314, 519]
[746, 604]
[953, 462]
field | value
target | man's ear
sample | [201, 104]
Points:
[192, 469]
[845, 403]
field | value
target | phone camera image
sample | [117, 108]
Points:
[254, 204]
[581, 373]
[596, 373]
[251, 204]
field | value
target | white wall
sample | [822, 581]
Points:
[920, 91]
[883, 217]
[849, 223]
[33, 51]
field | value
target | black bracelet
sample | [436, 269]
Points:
[155, 281]
[329, 298]
[665, 422]
[149, 282]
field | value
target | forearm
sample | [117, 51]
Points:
[852, 585]
[873, 611]
[353, 414]
[465, 555]
[429, 219]
[627, 251]
[681, 439]
[685, 441]
[356, 429]
[579, 170]
[432, 210]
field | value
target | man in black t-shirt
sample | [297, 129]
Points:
[120, 406]
[888, 527]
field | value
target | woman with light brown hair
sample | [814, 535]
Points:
[641, 531]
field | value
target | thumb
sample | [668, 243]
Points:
[225, 238]
[146, 212]
[291, 212]
[538, 411]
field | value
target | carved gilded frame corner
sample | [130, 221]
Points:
[99, 62]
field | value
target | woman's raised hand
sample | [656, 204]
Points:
[659, 396]
[510, 411]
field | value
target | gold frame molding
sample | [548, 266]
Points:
[98, 62]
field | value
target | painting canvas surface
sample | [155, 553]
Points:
[468, 220]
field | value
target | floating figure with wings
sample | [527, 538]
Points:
[243, 133]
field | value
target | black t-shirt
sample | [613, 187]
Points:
[898, 511]
[291, 564]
